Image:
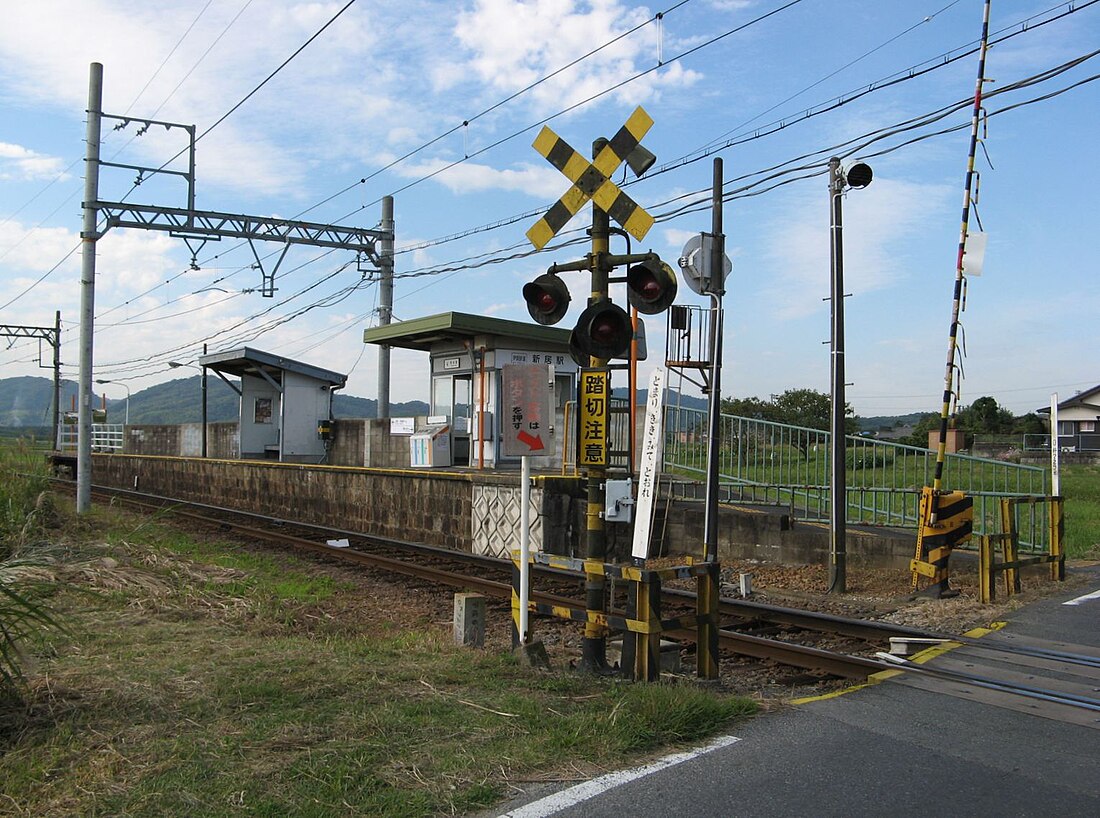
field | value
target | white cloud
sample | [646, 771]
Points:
[878, 221]
[513, 44]
[543, 182]
[24, 164]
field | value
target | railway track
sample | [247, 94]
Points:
[491, 576]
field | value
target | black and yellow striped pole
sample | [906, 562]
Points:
[932, 513]
[956, 304]
[594, 643]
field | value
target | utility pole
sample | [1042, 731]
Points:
[857, 175]
[204, 405]
[716, 291]
[385, 303]
[88, 237]
[187, 223]
[56, 377]
[838, 489]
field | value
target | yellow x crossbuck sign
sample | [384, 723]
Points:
[592, 180]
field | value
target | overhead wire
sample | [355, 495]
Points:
[473, 118]
[511, 220]
[1027, 24]
[701, 198]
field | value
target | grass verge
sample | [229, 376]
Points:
[1081, 490]
[206, 678]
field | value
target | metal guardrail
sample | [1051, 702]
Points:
[779, 463]
[106, 437]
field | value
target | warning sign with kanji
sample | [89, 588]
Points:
[528, 389]
[594, 412]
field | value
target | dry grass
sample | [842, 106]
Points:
[215, 679]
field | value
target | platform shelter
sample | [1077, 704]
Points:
[286, 405]
[467, 354]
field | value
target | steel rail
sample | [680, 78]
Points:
[836, 664]
[808, 620]
[843, 665]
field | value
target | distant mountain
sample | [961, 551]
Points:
[25, 402]
[886, 422]
[672, 397]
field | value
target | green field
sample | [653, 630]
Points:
[1081, 489]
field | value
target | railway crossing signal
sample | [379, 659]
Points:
[604, 330]
[592, 180]
[651, 286]
[547, 298]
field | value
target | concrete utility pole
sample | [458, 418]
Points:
[88, 238]
[385, 304]
[56, 377]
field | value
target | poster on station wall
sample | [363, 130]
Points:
[593, 417]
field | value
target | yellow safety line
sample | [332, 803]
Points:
[920, 658]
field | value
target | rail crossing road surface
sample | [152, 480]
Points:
[891, 749]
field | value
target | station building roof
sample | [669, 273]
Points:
[253, 362]
[423, 333]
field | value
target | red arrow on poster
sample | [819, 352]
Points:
[533, 443]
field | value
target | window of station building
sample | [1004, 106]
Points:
[452, 395]
[462, 402]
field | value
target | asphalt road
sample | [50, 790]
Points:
[889, 749]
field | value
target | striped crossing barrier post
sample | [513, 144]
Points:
[946, 521]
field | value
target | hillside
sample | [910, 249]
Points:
[25, 402]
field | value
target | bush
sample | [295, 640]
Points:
[25, 578]
[868, 458]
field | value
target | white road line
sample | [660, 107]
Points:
[1085, 598]
[563, 799]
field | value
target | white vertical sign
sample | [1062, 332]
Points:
[649, 468]
[1055, 451]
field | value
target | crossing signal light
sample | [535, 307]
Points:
[603, 331]
[547, 298]
[651, 286]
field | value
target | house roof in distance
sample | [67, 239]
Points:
[247, 361]
[423, 333]
[1089, 398]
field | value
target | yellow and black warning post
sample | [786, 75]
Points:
[946, 521]
[644, 625]
[1009, 542]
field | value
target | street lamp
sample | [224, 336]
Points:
[177, 365]
[124, 386]
[856, 175]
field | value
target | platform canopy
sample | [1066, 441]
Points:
[247, 361]
[424, 333]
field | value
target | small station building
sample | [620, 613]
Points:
[467, 354]
[286, 405]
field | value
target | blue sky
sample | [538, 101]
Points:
[390, 79]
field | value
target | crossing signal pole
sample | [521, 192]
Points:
[604, 329]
